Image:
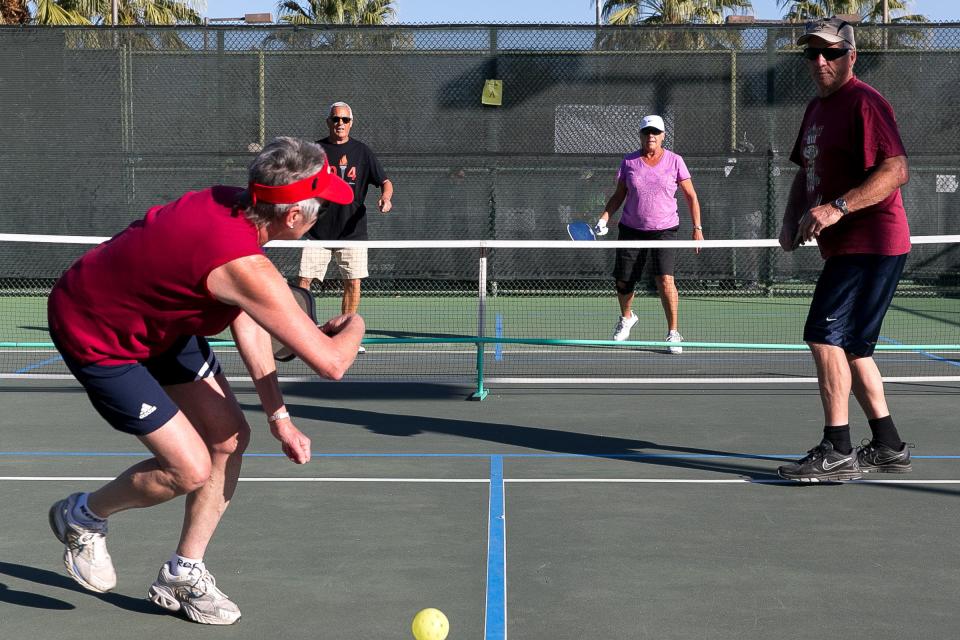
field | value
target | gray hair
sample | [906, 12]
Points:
[282, 161]
[340, 104]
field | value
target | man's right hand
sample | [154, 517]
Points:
[600, 229]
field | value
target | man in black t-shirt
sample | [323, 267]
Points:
[355, 163]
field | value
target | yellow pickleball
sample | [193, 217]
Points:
[430, 624]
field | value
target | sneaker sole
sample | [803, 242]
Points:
[163, 597]
[887, 469]
[68, 557]
[833, 477]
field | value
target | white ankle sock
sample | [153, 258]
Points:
[180, 565]
[83, 515]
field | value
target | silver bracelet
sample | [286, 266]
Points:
[279, 415]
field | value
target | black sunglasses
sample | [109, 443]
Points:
[650, 130]
[828, 54]
[345, 119]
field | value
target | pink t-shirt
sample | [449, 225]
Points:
[651, 203]
[134, 296]
[842, 138]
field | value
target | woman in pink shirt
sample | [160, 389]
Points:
[647, 181]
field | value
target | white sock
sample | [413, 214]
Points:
[83, 515]
[181, 566]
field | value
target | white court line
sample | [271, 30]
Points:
[505, 480]
[707, 481]
[398, 480]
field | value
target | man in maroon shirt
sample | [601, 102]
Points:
[847, 197]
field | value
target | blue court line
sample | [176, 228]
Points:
[498, 348]
[495, 621]
[925, 354]
[624, 456]
[37, 365]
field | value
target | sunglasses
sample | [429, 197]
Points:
[650, 130]
[336, 119]
[828, 54]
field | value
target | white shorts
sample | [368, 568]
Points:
[352, 262]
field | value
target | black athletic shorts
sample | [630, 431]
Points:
[131, 397]
[853, 294]
[629, 263]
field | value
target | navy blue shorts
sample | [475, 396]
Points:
[131, 397]
[629, 263]
[850, 301]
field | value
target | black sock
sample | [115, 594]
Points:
[839, 437]
[885, 433]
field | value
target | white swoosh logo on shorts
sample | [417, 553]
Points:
[828, 466]
[829, 319]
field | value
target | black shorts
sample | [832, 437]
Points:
[131, 397]
[629, 264]
[852, 296]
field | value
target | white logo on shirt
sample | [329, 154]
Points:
[146, 410]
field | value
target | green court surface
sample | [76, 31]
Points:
[546, 514]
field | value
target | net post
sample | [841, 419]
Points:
[481, 393]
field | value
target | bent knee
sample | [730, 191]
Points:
[192, 476]
[234, 444]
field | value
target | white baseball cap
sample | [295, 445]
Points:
[652, 122]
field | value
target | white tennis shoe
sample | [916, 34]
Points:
[622, 330]
[674, 336]
[85, 548]
[196, 593]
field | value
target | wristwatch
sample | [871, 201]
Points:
[840, 204]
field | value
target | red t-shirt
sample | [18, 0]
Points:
[842, 138]
[133, 296]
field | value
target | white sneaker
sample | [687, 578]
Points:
[85, 549]
[196, 593]
[360, 349]
[674, 336]
[622, 330]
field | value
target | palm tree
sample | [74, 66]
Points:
[340, 12]
[353, 12]
[130, 12]
[868, 10]
[667, 12]
[14, 12]
[624, 12]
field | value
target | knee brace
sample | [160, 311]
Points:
[626, 289]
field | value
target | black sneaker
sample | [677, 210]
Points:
[877, 458]
[823, 463]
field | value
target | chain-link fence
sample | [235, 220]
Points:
[97, 125]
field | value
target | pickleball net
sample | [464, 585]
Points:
[497, 311]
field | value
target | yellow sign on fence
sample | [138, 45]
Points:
[492, 93]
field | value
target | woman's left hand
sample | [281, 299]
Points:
[294, 444]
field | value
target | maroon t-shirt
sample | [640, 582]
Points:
[133, 296]
[843, 137]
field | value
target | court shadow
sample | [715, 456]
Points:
[32, 600]
[549, 440]
[51, 579]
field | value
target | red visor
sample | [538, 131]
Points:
[323, 184]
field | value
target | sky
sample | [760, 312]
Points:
[547, 11]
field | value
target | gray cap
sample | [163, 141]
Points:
[832, 29]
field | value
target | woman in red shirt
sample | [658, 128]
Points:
[129, 318]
